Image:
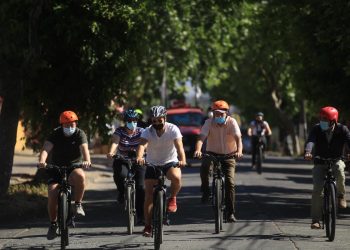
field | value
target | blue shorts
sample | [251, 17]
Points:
[153, 173]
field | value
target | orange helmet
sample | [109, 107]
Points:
[220, 105]
[68, 116]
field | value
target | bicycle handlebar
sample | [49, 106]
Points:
[73, 166]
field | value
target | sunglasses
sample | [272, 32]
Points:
[157, 120]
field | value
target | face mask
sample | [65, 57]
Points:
[219, 120]
[68, 131]
[324, 125]
[131, 125]
[158, 126]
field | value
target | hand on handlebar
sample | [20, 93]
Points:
[197, 154]
[182, 164]
[110, 155]
[41, 165]
[238, 155]
[308, 156]
[140, 161]
[86, 164]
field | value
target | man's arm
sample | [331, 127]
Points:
[180, 151]
[114, 146]
[86, 155]
[141, 151]
[44, 153]
[199, 144]
[238, 139]
[268, 129]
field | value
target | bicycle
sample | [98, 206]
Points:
[160, 214]
[329, 197]
[65, 216]
[259, 153]
[218, 190]
[129, 191]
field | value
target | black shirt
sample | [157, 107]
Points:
[66, 149]
[334, 148]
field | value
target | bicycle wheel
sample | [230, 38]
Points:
[259, 159]
[63, 215]
[330, 211]
[130, 208]
[217, 205]
[158, 209]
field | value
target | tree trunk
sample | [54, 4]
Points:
[9, 116]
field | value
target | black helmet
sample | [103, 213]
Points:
[130, 114]
[157, 111]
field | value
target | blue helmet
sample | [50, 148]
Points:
[130, 114]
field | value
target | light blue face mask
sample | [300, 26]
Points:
[324, 125]
[131, 125]
[219, 120]
[68, 131]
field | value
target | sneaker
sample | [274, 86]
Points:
[253, 167]
[172, 207]
[52, 232]
[147, 231]
[342, 202]
[79, 211]
[231, 218]
[315, 225]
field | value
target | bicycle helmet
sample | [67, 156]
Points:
[330, 113]
[220, 105]
[139, 111]
[158, 111]
[130, 114]
[260, 114]
[67, 117]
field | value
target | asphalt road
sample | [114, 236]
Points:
[272, 210]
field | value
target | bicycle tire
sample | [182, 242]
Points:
[130, 209]
[217, 205]
[158, 220]
[259, 160]
[330, 210]
[63, 215]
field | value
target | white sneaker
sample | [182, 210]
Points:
[79, 211]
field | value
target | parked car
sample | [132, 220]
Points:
[189, 120]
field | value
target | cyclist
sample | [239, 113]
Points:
[164, 148]
[67, 144]
[125, 140]
[327, 138]
[258, 127]
[223, 139]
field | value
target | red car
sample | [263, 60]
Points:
[190, 121]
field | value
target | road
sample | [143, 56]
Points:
[272, 210]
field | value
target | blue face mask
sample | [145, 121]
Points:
[324, 125]
[131, 125]
[219, 120]
[68, 131]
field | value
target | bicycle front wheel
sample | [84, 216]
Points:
[63, 215]
[330, 210]
[158, 215]
[218, 205]
[130, 193]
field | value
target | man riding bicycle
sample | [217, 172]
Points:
[67, 144]
[125, 141]
[257, 128]
[164, 148]
[327, 140]
[223, 139]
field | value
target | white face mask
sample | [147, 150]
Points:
[68, 131]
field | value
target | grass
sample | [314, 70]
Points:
[24, 201]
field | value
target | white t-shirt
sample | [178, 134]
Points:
[161, 150]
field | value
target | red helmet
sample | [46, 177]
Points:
[220, 105]
[330, 113]
[67, 117]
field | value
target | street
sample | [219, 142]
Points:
[273, 212]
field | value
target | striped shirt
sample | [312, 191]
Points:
[128, 142]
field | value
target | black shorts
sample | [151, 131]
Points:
[152, 173]
[55, 177]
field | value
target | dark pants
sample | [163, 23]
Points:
[255, 141]
[120, 173]
[228, 167]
